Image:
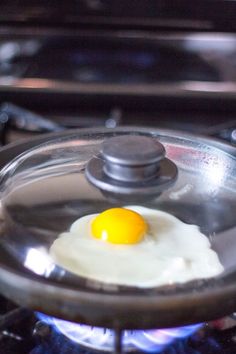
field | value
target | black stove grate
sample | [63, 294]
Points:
[17, 123]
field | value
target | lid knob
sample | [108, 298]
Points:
[131, 167]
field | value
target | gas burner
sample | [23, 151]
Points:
[151, 341]
[213, 338]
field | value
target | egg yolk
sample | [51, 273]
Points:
[119, 226]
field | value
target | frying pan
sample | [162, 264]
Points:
[207, 167]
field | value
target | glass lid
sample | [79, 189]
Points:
[155, 231]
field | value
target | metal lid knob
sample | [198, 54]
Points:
[131, 167]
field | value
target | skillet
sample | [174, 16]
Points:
[206, 167]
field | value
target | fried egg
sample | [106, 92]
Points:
[135, 246]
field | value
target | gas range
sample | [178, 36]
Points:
[91, 64]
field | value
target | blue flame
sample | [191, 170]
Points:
[103, 339]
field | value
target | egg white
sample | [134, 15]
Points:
[171, 252]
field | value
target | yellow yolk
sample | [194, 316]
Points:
[120, 226]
